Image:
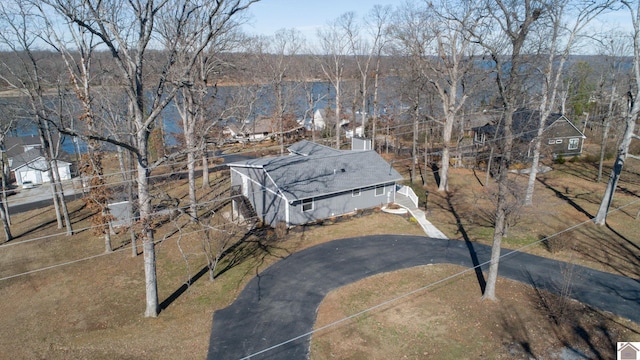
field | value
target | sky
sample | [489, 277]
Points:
[268, 16]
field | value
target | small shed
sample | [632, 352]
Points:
[121, 211]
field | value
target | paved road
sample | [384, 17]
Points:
[40, 195]
[281, 302]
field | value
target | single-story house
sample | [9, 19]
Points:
[24, 155]
[559, 137]
[260, 129]
[314, 182]
[32, 166]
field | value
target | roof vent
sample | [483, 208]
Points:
[343, 170]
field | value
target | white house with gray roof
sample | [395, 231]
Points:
[24, 154]
[314, 182]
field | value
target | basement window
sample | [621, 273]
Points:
[307, 205]
[552, 141]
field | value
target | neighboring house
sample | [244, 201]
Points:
[31, 166]
[358, 133]
[314, 182]
[260, 129]
[559, 137]
[322, 119]
[25, 158]
[317, 122]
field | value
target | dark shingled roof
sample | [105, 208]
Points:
[525, 124]
[25, 158]
[306, 148]
[300, 177]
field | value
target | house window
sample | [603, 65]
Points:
[307, 204]
[479, 137]
[379, 190]
[573, 143]
[552, 141]
[355, 192]
[559, 141]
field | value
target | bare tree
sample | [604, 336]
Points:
[614, 48]
[365, 50]
[503, 35]
[20, 36]
[278, 56]
[631, 118]
[449, 70]
[129, 32]
[334, 45]
[561, 38]
[380, 16]
[10, 112]
[412, 38]
[199, 55]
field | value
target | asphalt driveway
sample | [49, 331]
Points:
[280, 304]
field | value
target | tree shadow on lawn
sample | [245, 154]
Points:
[562, 196]
[582, 172]
[474, 256]
[256, 244]
[622, 257]
[73, 216]
[571, 322]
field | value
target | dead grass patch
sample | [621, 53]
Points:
[94, 308]
[449, 321]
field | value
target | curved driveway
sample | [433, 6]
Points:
[281, 302]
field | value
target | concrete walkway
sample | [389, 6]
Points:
[420, 216]
[280, 303]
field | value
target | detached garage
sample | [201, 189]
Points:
[31, 166]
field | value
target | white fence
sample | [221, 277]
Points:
[408, 192]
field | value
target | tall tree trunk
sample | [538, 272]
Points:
[501, 213]
[375, 106]
[107, 237]
[426, 154]
[60, 193]
[5, 185]
[533, 171]
[205, 168]
[414, 144]
[489, 163]
[148, 244]
[191, 169]
[5, 224]
[121, 163]
[605, 134]
[623, 151]
[338, 114]
[131, 195]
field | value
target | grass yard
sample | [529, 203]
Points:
[94, 308]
